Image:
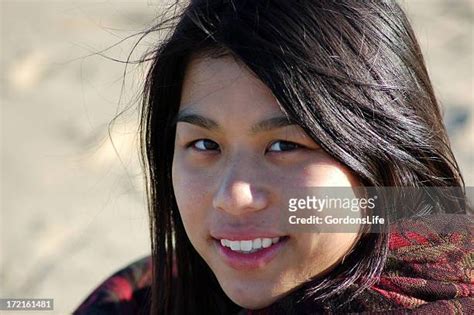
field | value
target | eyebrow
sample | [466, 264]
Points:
[207, 123]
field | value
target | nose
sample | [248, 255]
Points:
[241, 190]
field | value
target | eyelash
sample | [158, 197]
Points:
[192, 145]
[297, 146]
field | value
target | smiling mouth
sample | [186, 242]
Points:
[251, 246]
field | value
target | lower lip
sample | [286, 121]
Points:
[250, 261]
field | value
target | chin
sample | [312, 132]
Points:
[252, 304]
[251, 299]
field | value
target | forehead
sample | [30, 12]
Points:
[225, 85]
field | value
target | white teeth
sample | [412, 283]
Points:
[249, 246]
[234, 245]
[257, 243]
[266, 242]
[246, 246]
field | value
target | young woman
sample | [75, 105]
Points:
[248, 102]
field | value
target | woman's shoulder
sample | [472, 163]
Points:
[428, 269]
[127, 291]
[432, 231]
[429, 264]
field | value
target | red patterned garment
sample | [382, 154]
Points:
[429, 270]
[125, 292]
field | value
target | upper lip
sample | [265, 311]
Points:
[244, 234]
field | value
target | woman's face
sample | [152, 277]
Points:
[235, 159]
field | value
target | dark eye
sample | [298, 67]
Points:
[205, 145]
[282, 146]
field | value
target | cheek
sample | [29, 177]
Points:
[327, 174]
[187, 191]
[191, 185]
[192, 198]
[319, 253]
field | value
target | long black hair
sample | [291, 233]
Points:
[350, 73]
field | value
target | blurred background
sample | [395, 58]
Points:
[72, 204]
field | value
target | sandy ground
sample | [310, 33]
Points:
[72, 209]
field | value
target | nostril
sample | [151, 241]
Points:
[239, 197]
